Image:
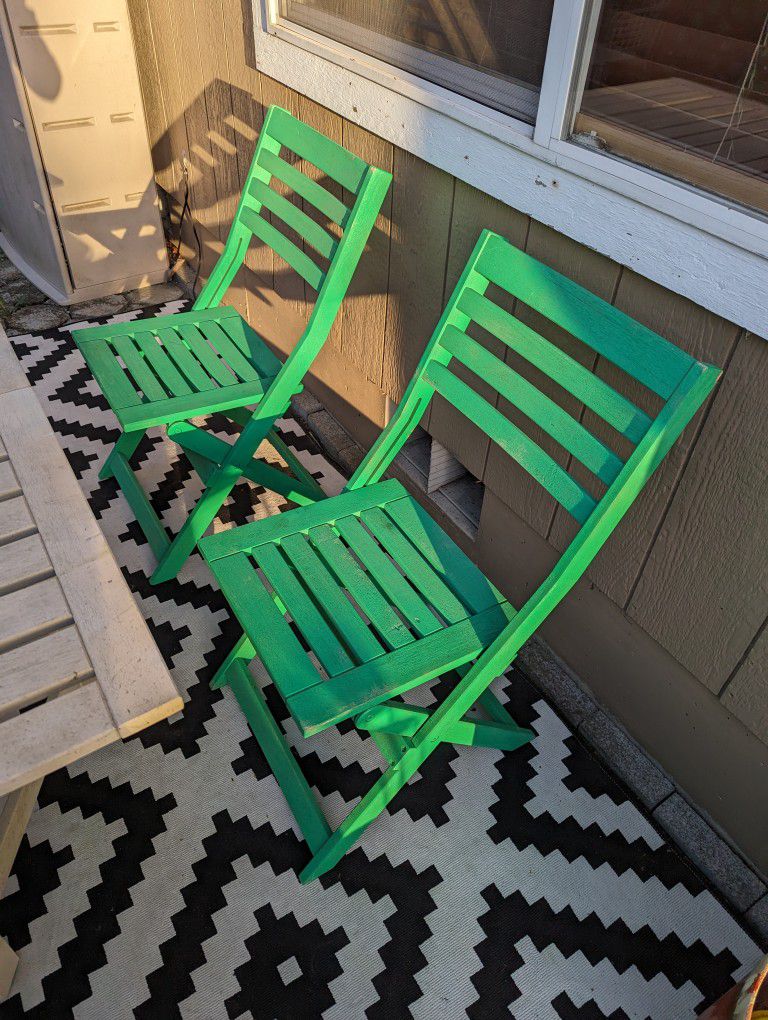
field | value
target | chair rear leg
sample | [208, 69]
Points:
[221, 483]
[368, 809]
[298, 470]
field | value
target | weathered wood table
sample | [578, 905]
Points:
[73, 644]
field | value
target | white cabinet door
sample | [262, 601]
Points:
[78, 63]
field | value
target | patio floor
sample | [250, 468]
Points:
[159, 878]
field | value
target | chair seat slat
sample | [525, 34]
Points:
[162, 364]
[188, 365]
[230, 352]
[139, 368]
[464, 578]
[114, 382]
[388, 577]
[294, 217]
[351, 576]
[598, 396]
[421, 574]
[356, 635]
[534, 404]
[558, 483]
[303, 610]
[205, 354]
[277, 646]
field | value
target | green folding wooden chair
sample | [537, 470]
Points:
[383, 599]
[168, 370]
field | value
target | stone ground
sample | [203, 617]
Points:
[25, 309]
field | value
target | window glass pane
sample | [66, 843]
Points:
[489, 50]
[682, 87]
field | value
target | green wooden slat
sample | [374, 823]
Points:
[85, 336]
[252, 346]
[272, 529]
[537, 406]
[598, 396]
[331, 701]
[294, 217]
[345, 168]
[275, 643]
[188, 365]
[405, 721]
[329, 594]
[205, 354]
[172, 379]
[387, 576]
[142, 374]
[649, 358]
[230, 352]
[558, 483]
[174, 409]
[110, 376]
[415, 566]
[444, 556]
[302, 609]
[351, 575]
[286, 249]
[309, 190]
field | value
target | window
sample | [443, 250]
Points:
[682, 87]
[491, 51]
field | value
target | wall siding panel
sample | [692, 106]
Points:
[702, 594]
[422, 197]
[364, 313]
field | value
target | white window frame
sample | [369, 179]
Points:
[701, 246]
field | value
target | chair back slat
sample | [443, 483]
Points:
[641, 353]
[307, 188]
[283, 246]
[534, 404]
[453, 356]
[333, 160]
[621, 414]
[294, 217]
[287, 209]
[512, 440]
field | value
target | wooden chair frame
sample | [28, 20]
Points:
[261, 378]
[407, 736]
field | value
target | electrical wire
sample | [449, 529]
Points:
[186, 208]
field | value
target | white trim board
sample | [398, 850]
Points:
[633, 216]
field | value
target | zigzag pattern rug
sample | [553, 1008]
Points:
[158, 879]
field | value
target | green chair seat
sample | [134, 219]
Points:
[159, 371]
[381, 596]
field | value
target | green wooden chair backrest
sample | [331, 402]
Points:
[325, 260]
[681, 382]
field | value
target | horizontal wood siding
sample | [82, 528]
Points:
[688, 566]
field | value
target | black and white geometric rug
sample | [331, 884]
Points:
[158, 878]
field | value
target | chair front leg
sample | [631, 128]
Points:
[368, 809]
[125, 446]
